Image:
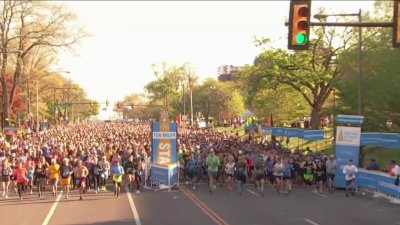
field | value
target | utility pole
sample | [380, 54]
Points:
[37, 106]
[360, 79]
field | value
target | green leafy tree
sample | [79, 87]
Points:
[310, 73]
[380, 76]
[285, 104]
[235, 104]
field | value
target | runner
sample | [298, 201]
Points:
[40, 175]
[330, 172]
[308, 170]
[212, 163]
[104, 172]
[54, 170]
[66, 171]
[30, 170]
[138, 171]
[350, 171]
[129, 174]
[278, 170]
[95, 171]
[287, 175]
[191, 170]
[6, 172]
[20, 174]
[117, 173]
[240, 173]
[230, 170]
[81, 173]
[260, 175]
[320, 174]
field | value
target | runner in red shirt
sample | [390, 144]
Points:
[20, 174]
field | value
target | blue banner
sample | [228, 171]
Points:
[278, 131]
[390, 140]
[251, 129]
[350, 119]
[294, 132]
[343, 154]
[164, 174]
[164, 143]
[266, 130]
[313, 135]
[309, 135]
[370, 139]
[387, 140]
[377, 181]
[347, 147]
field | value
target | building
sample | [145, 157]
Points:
[227, 72]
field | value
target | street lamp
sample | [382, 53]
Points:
[359, 53]
[183, 96]
[54, 92]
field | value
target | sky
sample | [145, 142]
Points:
[127, 37]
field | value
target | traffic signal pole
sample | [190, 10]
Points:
[352, 24]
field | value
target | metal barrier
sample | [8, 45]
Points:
[381, 184]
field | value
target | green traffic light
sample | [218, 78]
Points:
[301, 38]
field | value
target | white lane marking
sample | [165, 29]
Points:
[133, 207]
[52, 209]
[319, 194]
[310, 221]
[252, 192]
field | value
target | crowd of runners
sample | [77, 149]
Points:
[87, 156]
[81, 156]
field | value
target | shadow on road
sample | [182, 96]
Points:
[111, 222]
[47, 201]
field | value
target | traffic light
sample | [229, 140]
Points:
[107, 103]
[299, 24]
[396, 24]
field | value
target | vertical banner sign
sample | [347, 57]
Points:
[164, 169]
[347, 147]
[164, 138]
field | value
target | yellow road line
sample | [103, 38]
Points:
[217, 219]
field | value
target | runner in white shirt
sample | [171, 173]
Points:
[350, 171]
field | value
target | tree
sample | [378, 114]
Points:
[166, 84]
[285, 104]
[380, 76]
[212, 97]
[235, 104]
[26, 26]
[311, 73]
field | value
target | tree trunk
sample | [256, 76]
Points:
[6, 107]
[315, 118]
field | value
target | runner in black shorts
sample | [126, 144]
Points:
[260, 175]
[320, 176]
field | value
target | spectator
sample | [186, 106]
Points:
[373, 165]
[395, 172]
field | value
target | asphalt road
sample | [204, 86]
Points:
[199, 207]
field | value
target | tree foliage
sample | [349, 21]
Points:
[27, 26]
[311, 73]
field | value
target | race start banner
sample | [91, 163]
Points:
[164, 134]
[164, 141]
